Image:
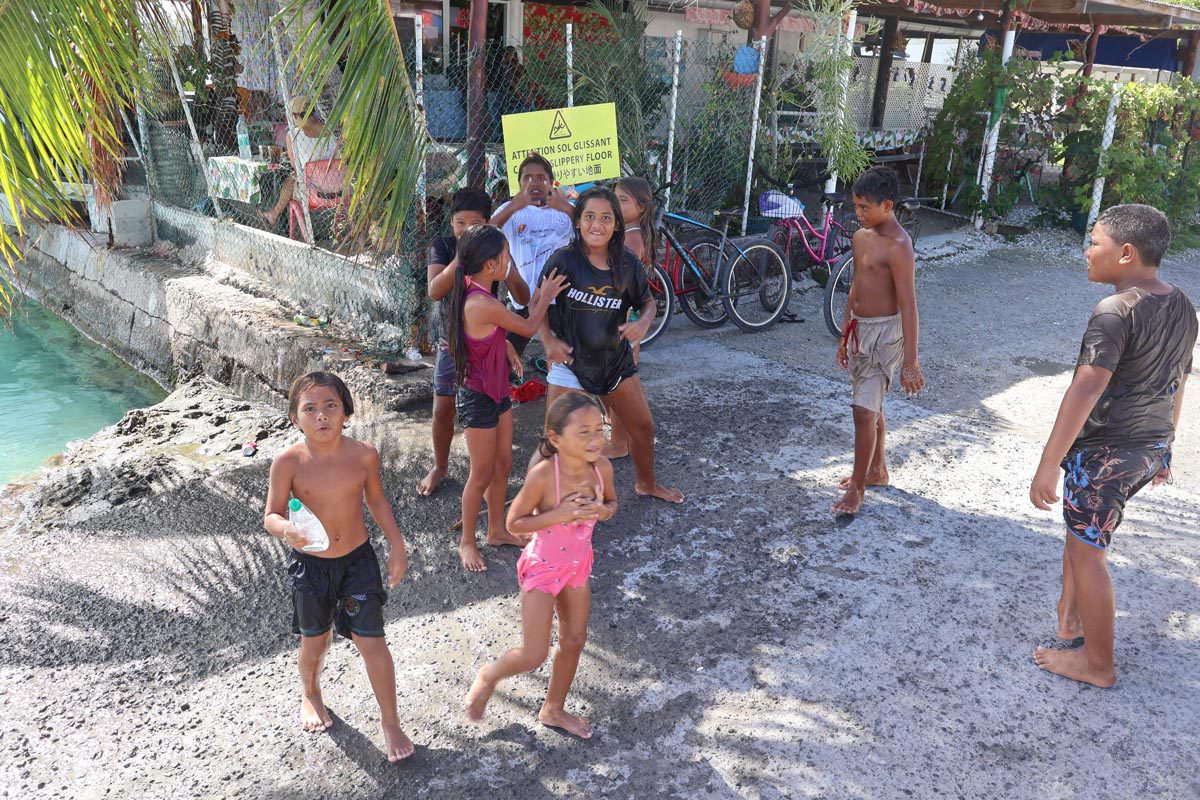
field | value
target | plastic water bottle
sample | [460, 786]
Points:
[309, 526]
[243, 138]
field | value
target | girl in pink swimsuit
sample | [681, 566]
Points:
[560, 503]
[475, 325]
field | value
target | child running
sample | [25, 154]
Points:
[879, 329]
[468, 207]
[562, 499]
[588, 335]
[637, 211]
[1115, 426]
[332, 474]
[476, 323]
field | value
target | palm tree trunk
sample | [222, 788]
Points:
[477, 95]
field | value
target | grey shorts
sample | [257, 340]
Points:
[876, 348]
[443, 372]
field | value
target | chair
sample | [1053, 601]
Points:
[325, 181]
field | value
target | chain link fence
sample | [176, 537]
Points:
[685, 116]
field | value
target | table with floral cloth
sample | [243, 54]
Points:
[872, 138]
[244, 179]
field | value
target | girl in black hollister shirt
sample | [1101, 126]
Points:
[587, 335]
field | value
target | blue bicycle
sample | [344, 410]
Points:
[716, 278]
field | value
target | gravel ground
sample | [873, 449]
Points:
[745, 645]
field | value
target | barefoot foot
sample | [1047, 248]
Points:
[1073, 664]
[430, 482]
[314, 717]
[477, 698]
[472, 561]
[876, 477]
[851, 501]
[396, 743]
[503, 537]
[1070, 629]
[579, 726]
[270, 218]
[661, 492]
[612, 453]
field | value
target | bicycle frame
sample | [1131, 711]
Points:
[674, 269]
[799, 227]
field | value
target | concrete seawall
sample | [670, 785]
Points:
[177, 313]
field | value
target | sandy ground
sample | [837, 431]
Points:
[745, 645]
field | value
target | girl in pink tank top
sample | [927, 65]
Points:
[560, 503]
[475, 325]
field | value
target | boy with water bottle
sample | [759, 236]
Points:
[338, 586]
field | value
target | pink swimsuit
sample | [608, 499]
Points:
[560, 555]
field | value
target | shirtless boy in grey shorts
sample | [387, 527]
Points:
[880, 328]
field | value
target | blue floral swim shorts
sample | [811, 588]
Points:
[1097, 483]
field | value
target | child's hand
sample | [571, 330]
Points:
[1163, 476]
[1043, 491]
[911, 379]
[634, 332]
[573, 508]
[558, 351]
[397, 564]
[295, 538]
[514, 360]
[557, 200]
[551, 286]
[843, 355]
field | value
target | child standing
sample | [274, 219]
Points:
[637, 211]
[1115, 426]
[588, 336]
[560, 503]
[468, 207]
[332, 474]
[476, 323]
[880, 327]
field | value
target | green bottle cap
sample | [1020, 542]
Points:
[295, 505]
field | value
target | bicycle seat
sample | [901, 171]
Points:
[835, 198]
[909, 204]
[728, 213]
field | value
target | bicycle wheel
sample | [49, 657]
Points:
[701, 303]
[755, 286]
[664, 303]
[837, 294]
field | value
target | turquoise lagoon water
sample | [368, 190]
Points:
[56, 386]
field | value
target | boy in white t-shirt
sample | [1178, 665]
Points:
[536, 222]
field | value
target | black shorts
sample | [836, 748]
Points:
[347, 590]
[477, 410]
[1098, 482]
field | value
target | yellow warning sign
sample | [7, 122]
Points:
[580, 142]
[559, 129]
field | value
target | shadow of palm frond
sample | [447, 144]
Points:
[218, 604]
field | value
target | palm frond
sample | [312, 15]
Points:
[383, 136]
[66, 67]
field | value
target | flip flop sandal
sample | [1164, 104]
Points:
[540, 365]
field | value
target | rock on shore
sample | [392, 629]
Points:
[197, 431]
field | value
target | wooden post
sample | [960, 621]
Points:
[883, 75]
[1089, 51]
[1189, 56]
[1005, 22]
[477, 94]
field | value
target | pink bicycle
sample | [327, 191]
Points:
[805, 248]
